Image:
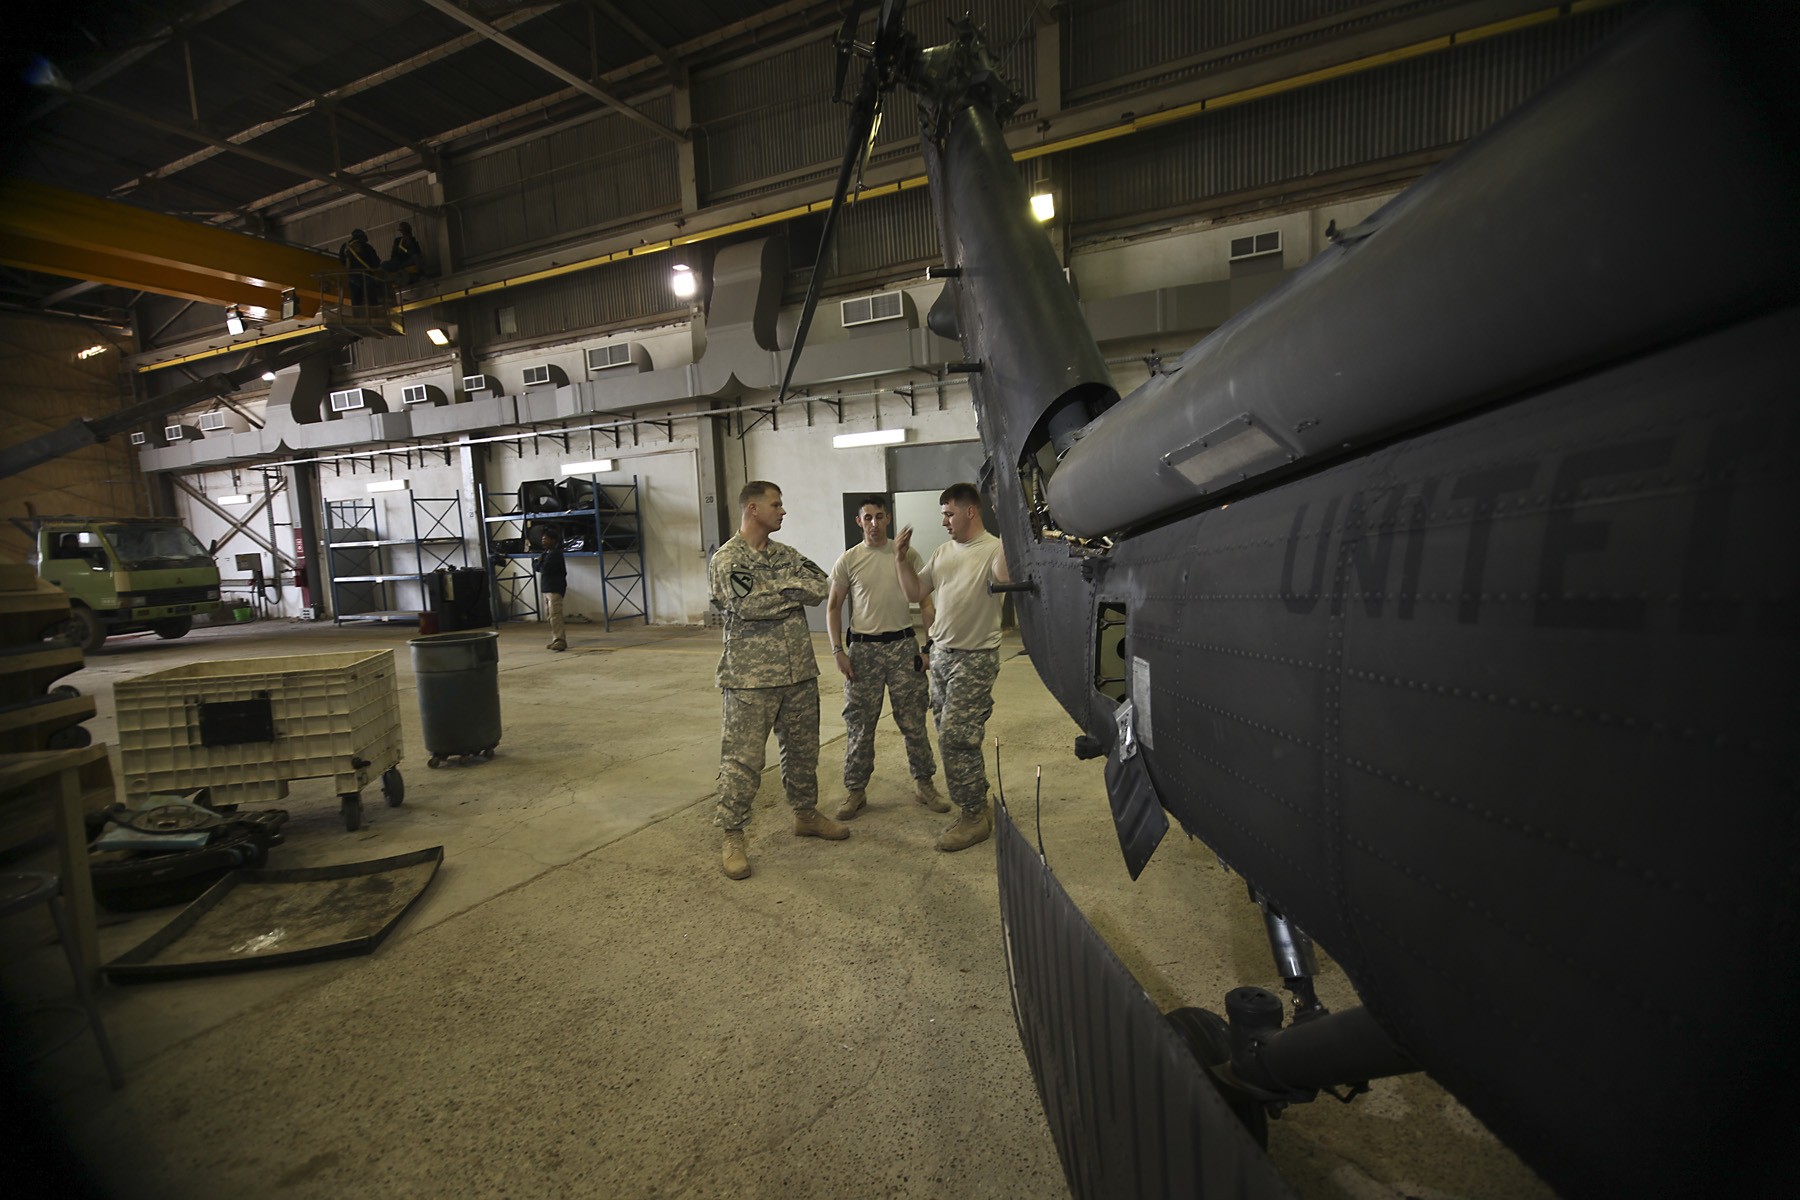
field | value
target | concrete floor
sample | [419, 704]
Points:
[583, 1005]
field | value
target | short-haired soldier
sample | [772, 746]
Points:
[964, 650]
[768, 673]
[880, 654]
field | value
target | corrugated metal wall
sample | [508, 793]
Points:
[47, 387]
[885, 232]
[328, 228]
[616, 292]
[373, 352]
[1420, 104]
[576, 179]
[184, 320]
[1105, 39]
[735, 111]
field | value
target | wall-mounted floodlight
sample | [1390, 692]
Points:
[596, 466]
[268, 377]
[389, 485]
[878, 437]
[234, 499]
[683, 281]
[1043, 206]
[91, 351]
[234, 320]
[437, 336]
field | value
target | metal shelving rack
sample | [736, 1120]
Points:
[438, 541]
[618, 548]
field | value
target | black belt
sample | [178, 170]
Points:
[894, 636]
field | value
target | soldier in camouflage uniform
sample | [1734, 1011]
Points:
[881, 655]
[768, 673]
[965, 650]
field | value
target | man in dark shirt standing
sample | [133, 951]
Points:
[553, 582]
[361, 261]
[407, 262]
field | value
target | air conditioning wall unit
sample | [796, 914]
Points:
[1255, 245]
[358, 399]
[873, 310]
[474, 385]
[422, 393]
[629, 355]
[545, 375]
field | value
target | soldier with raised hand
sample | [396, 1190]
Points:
[881, 654]
[768, 673]
[964, 650]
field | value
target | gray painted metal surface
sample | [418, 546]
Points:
[1540, 277]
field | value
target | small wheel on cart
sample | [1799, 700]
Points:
[488, 753]
[350, 805]
[434, 762]
[393, 788]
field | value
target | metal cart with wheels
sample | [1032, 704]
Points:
[247, 727]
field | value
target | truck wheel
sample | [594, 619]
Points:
[84, 629]
[174, 627]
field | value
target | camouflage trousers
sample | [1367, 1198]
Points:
[962, 699]
[891, 667]
[750, 713]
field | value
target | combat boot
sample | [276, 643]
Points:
[853, 804]
[970, 828]
[926, 793]
[735, 860]
[810, 822]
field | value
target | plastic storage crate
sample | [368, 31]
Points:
[246, 727]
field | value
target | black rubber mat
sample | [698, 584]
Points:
[268, 918]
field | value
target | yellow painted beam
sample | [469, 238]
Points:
[50, 258]
[61, 232]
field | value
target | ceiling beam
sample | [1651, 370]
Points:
[637, 34]
[201, 12]
[567, 76]
[356, 86]
[343, 179]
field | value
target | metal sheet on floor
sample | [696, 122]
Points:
[267, 918]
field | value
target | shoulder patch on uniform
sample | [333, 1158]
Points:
[743, 582]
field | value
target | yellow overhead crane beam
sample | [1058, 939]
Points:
[59, 232]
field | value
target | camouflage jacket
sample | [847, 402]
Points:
[764, 597]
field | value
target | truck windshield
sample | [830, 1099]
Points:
[161, 545]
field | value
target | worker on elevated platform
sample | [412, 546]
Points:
[363, 262]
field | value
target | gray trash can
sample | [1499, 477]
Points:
[459, 693]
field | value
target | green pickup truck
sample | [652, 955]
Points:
[127, 575]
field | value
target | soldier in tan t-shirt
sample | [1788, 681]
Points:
[880, 655]
[964, 649]
[767, 672]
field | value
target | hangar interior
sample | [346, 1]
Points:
[619, 206]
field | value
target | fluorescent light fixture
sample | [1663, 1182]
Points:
[234, 320]
[1043, 206]
[878, 437]
[438, 337]
[234, 499]
[594, 466]
[389, 485]
[683, 280]
[91, 351]
[268, 377]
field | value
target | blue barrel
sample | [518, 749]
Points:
[458, 677]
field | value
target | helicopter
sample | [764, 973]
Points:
[1443, 594]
